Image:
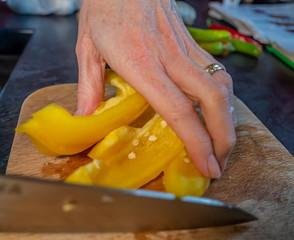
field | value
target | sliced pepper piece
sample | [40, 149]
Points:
[54, 131]
[182, 178]
[130, 157]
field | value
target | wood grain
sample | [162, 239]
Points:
[259, 177]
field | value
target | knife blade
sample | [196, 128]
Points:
[35, 205]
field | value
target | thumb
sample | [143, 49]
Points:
[91, 76]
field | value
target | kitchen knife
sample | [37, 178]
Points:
[34, 205]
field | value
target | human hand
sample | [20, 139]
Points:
[147, 44]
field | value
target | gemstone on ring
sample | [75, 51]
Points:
[212, 68]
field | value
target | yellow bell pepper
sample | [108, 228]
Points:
[182, 178]
[130, 157]
[54, 131]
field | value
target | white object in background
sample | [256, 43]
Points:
[188, 13]
[267, 23]
[231, 3]
[44, 7]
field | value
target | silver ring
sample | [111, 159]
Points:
[212, 68]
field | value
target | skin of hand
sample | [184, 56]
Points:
[148, 45]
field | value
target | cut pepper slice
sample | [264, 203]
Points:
[130, 157]
[182, 178]
[54, 131]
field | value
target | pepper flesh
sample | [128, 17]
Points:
[130, 157]
[182, 178]
[54, 131]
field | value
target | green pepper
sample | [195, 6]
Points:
[217, 48]
[202, 35]
[246, 47]
[220, 42]
[235, 34]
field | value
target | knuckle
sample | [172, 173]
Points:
[80, 47]
[85, 47]
[140, 58]
[139, 54]
[220, 94]
[227, 80]
[180, 109]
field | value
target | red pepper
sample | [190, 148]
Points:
[235, 34]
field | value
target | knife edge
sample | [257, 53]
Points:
[51, 206]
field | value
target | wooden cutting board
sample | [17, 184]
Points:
[259, 177]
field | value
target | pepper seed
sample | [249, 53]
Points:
[132, 155]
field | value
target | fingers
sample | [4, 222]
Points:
[174, 106]
[214, 99]
[226, 79]
[203, 58]
[219, 121]
[225, 142]
[91, 76]
[218, 112]
[162, 64]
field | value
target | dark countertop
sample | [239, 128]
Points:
[48, 59]
[265, 85]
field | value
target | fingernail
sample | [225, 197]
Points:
[213, 167]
